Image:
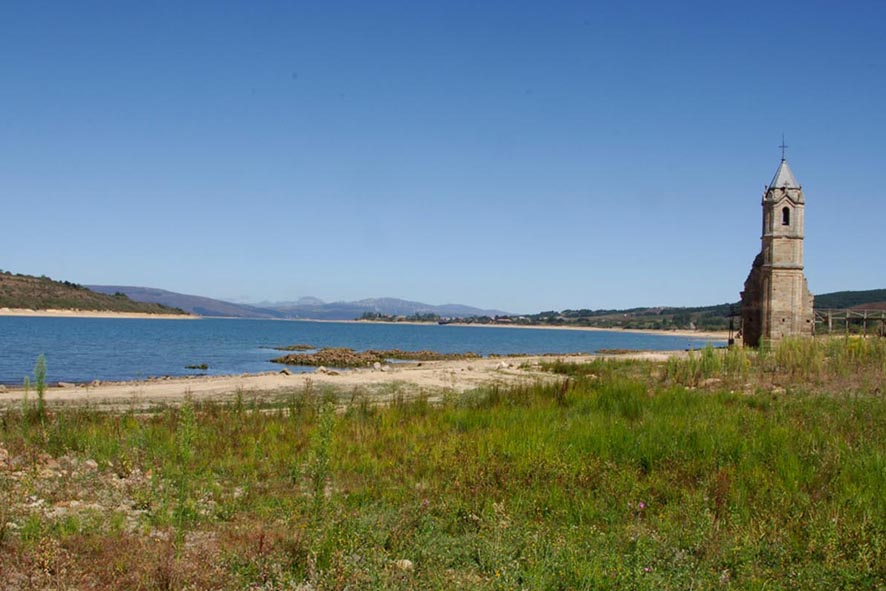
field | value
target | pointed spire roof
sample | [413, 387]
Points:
[784, 178]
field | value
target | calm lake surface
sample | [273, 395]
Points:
[86, 349]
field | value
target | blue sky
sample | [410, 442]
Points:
[519, 155]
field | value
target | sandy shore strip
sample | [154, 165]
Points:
[90, 314]
[714, 335]
[432, 378]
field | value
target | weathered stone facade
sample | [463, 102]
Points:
[776, 301]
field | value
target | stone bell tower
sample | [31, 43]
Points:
[776, 301]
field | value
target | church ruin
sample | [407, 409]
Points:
[776, 301]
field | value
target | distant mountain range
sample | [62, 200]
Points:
[310, 308]
[386, 306]
[307, 308]
[189, 303]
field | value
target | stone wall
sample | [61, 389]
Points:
[790, 305]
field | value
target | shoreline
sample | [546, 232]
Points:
[720, 335]
[52, 313]
[429, 378]
[712, 335]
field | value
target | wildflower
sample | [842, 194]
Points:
[642, 505]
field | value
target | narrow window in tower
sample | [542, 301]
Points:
[786, 216]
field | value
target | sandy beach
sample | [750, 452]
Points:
[433, 378]
[90, 314]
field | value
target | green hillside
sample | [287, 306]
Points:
[850, 299]
[714, 317]
[43, 293]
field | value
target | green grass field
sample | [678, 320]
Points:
[728, 470]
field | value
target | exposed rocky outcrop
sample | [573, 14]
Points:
[345, 357]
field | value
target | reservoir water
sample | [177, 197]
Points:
[86, 349]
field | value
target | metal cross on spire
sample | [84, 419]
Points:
[783, 146]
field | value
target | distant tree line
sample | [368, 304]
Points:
[840, 300]
[379, 317]
[703, 318]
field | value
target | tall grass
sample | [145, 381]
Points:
[182, 466]
[40, 385]
[860, 364]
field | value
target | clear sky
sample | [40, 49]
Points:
[520, 155]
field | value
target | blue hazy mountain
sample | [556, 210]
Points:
[306, 308]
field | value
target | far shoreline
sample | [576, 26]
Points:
[714, 335]
[54, 313]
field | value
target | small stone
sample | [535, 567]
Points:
[385, 368]
[322, 369]
[376, 366]
[405, 565]
[65, 385]
[285, 372]
[2, 388]
[90, 465]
